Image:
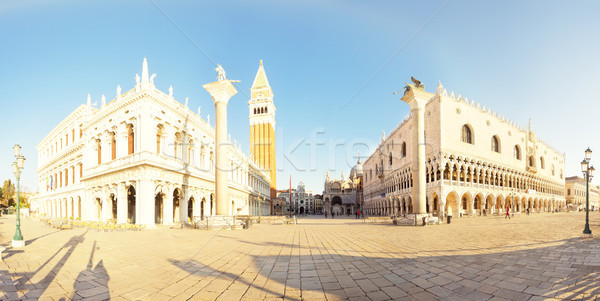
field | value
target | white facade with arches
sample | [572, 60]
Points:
[141, 158]
[474, 160]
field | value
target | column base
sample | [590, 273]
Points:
[587, 235]
[18, 243]
[220, 222]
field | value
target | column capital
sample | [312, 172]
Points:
[221, 91]
[416, 98]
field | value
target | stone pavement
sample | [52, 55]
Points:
[535, 257]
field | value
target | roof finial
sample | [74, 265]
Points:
[261, 62]
[89, 101]
[145, 77]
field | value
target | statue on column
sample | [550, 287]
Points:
[220, 73]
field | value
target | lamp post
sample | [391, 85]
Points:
[18, 241]
[588, 173]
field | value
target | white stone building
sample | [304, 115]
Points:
[575, 193]
[473, 159]
[141, 158]
[302, 200]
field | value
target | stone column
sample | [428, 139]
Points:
[144, 203]
[121, 140]
[105, 143]
[417, 98]
[168, 205]
[221, 91]
[121, 203]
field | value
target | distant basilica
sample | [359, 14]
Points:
[344, 196]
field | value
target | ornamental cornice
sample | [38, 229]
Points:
[69, 152]
[77, 114]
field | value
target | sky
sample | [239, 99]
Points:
[333, 66]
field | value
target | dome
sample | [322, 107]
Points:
[357, 170]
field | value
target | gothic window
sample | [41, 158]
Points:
[403, 149]
[113, 147]
[99, 151]
[517, 152]
[254, 110]
[467, 135]
[495, 144]
[130, 140]
[266, 110]
[390, 158]
[553, 169]
[159, 134]
[542, 165]
[530, 161]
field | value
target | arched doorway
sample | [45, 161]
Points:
[176, 200]
[452, 204]
[79, 207]
[98, 209]
[202, 208]
[131, 205]
[301, 210]
[190, 209]
[158, 208]
[113, 204]
[336, 204]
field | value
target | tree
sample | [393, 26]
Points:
[8, 193]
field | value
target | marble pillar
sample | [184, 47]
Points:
[416, 98]
[221, 91]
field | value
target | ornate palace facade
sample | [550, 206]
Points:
[474, 159]
[344, 196]
[141, 158]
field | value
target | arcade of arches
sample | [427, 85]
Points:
[467, 187]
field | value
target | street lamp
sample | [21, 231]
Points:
[17, 166]
[588, 173]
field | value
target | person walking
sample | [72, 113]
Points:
[507, 212]
[332, 214]
[325, 213]
[358, 214]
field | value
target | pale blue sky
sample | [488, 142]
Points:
[533, 59]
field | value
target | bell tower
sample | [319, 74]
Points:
[262, 126]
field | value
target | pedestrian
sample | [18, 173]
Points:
[358, 214]
[527, 210]
[507, 212]
[325, 214]
[332, 214]
[484, 212]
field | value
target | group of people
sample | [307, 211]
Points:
[357, 214]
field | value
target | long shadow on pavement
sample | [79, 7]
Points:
[567, 271]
